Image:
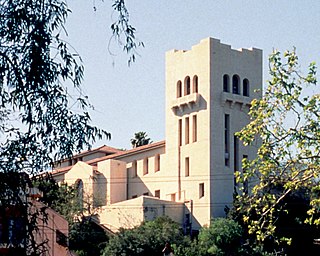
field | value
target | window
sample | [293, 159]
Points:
[61, 238]
[226, 139]
[179, 89]
[246, 87]
[236, 153]
[226, 83]
[235, 84]
[187, 167]
[195, 84]
[157, 163]
[146, 193]
[157, 193]
[245, 183]
[173, 197]
[134, 196]
[186, 130]
[145, 166]
[194, 128]
[201, 190]
[187, 85]
[79, 187]
[134, 169]
[180, 132]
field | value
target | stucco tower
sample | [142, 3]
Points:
[208, 93]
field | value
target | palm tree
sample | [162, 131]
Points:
[140, 139]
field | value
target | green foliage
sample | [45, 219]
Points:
[87, 238]
[140, 139]
[223, 237]
[147, 239]
[285, 120]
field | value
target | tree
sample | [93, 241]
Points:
[147, 239]
[286, 122]
[140, 139]
[40, 122]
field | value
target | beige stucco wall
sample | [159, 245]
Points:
[131, 213]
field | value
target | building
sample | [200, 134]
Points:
[190, 175]
[50, 236]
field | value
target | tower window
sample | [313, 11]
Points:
[187, 166]
[226, 83]
[226, 139]
[201, 190]
[187, 85]
[195, 84]
[180, 132]
[235, 84]
[179, 89]
[246, 88]
[187, 130]
[194, 128]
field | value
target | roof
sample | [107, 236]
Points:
[116, 155]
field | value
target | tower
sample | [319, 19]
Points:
[208, 93]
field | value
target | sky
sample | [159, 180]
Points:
[131, 99]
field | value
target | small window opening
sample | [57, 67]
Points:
[226, 83]
[195, 84]
[187, 130]
[235, 85]
[145, 166]
[187, 86]
[246, 88]
[179, 89]
[201, 190]
[187, 166]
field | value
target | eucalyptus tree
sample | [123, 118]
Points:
[40, 122]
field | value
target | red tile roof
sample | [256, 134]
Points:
[116, 155]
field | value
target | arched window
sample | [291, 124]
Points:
[187, 85]
[246, 88]
[195, 84]
[235, 84]
[226, 83]
[179, 89]
[79, 188]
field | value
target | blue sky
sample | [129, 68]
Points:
[131, 99]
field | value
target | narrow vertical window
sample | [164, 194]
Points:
[201, 190]
[157, 163]
[187, 85]
[187, 130]
[180, 132]
[235, 84]
[179, 89]
[134, 169]
[194, 128]
[226, 83]
[245, 183]
[157, 193]
[79, 187]
[195, 84]
[187, 166]
[226, 139]
[236, 153]
[246, 88]
[173, 197]
[145, 166]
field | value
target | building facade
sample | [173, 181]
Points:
[190, 175]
